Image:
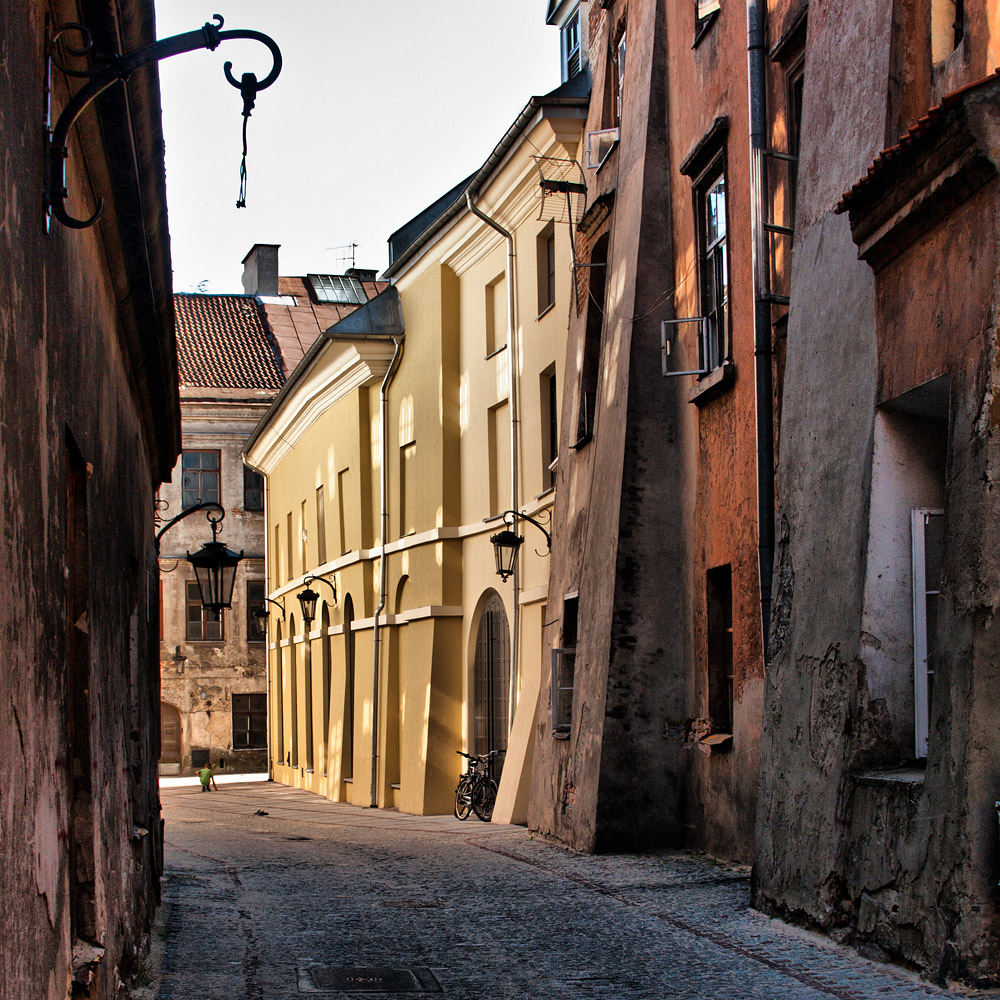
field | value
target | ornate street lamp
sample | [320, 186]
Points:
[507, 543]
[309, 597]
[214, 564]
[215, 570]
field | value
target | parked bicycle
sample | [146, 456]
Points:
[477, 791]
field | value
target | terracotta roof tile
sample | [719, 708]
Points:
[223, 343]
[916, 131]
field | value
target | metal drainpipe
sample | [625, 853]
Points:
[515, 419]
[384, 529]
[757, 74]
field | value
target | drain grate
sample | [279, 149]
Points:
[330, 978]
[413, 904]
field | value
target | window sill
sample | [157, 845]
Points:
[547, 309]
[897, 777]
[716, 743]
[560, 734]
[588, 437]
[347, 781]
[493, 354]
[394, 784]
[703, 26]
[713, 384]
[545, 492]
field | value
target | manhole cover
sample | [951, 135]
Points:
[368, 980]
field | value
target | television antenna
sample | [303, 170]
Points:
[349, 255]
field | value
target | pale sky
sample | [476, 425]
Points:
[381, 107]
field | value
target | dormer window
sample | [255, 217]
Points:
[571, 52]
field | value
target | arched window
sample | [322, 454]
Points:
[278, 748]
[492, 681]
[293, 690]
[347, 753]
[324, 623]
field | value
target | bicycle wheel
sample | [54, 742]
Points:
[463, 798]
[484, 797]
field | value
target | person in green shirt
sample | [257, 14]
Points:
[207, 779]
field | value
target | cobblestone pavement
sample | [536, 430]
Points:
[261, 907]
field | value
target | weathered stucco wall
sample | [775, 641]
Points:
[888, 398]
[214, 670]
[89, 415]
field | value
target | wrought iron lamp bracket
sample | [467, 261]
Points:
[511, 517]
[278, 605]
[210, 506]
[117, 69]
[309, 579]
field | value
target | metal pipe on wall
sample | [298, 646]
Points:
[512, 349]
[384, 532]
[764, 390]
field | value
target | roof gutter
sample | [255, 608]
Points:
[513, 353]
[503, 147]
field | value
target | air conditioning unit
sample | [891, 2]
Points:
[600, 144]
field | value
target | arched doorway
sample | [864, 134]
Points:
[492, 681]
[170, 739]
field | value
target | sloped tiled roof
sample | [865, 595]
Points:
[223, 343]
[295, 327]
[934, 117]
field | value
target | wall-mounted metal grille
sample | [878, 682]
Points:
[337, 289]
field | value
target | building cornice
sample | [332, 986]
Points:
[337, 370]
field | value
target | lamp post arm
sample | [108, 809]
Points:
[208, 505]
[511, 517]
[309, 579]
[280, 607]
[209, 36]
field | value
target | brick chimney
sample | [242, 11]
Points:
[260, 269]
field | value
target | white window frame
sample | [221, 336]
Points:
[560, 723]
[921, 687]
[565, 51]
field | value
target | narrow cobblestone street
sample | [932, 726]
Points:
[269, 890]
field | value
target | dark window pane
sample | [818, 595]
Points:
[253, 490]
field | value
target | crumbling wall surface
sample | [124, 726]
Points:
[815, 705]
[607, 785]
[79, 806]
[902, 863]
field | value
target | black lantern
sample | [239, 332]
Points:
[214, 564]
[215, 569]
[506, 545]
[309, 597]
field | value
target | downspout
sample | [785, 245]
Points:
[757, 75]
[515, 419]
[384, 530]
[267, 622]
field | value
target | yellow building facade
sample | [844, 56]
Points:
[390, 457]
